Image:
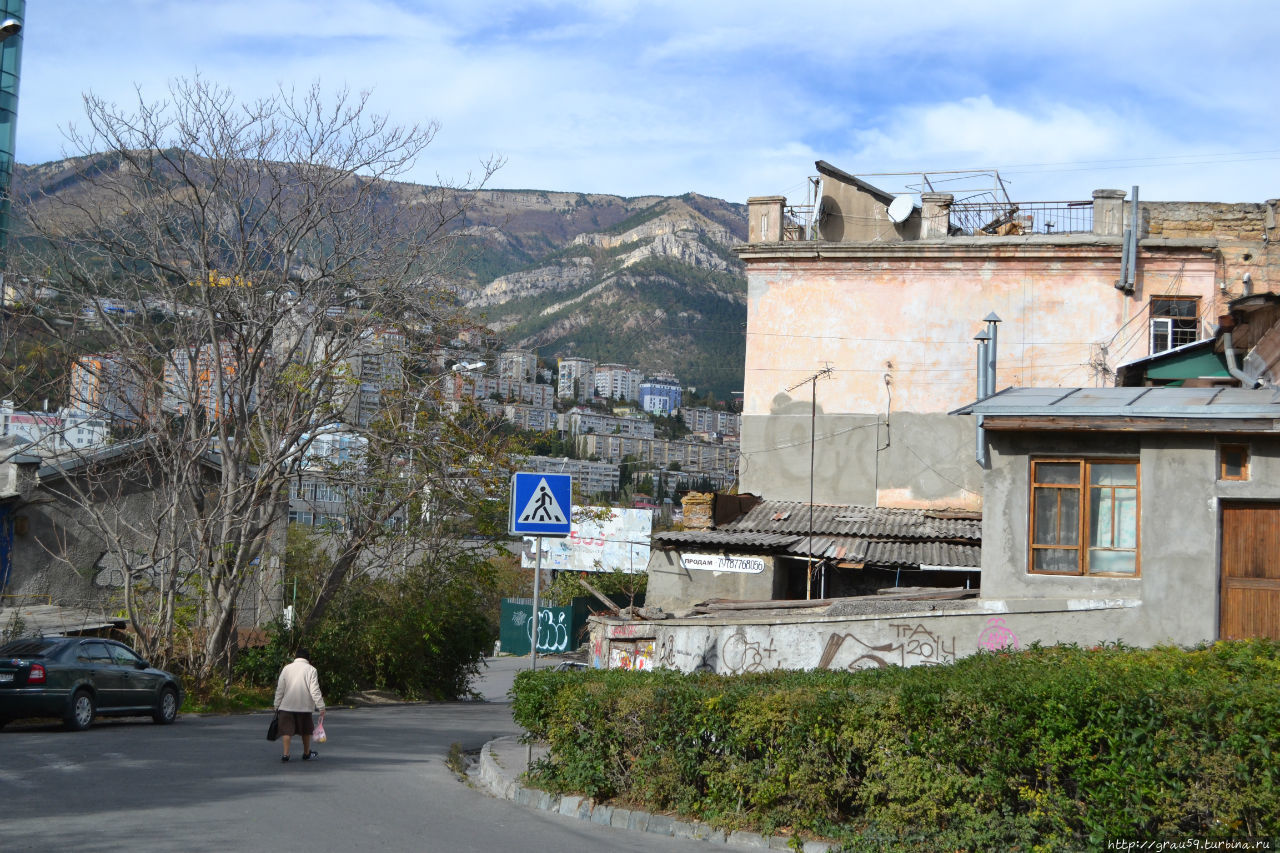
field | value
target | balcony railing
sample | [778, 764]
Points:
[1025, 217]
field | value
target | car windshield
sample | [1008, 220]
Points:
[36, 647]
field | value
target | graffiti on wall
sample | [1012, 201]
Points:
[635, 656]
[735, 654]
[110, 572]
[995, 635]
[909, 645]
[553, 631]
[690, 655]
[742, 655]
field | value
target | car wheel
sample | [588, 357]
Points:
[167, 708]
[80, 712]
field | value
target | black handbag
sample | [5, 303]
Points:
[273, 729]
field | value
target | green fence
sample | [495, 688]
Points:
[560, 629]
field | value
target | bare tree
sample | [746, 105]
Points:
[245, 263]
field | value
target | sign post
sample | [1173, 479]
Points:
[540, 506]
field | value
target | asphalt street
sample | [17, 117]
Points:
[213, 783]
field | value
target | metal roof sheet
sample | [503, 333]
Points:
[860, 521]
[1133, 402]
[891, 554]
[726, 538]
[876, 536]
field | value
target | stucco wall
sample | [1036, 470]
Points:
[897, 321]
[60, 555]
[911, 460]
[1179, 527]
[675, 589]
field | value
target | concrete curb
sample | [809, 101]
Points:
[504, 760]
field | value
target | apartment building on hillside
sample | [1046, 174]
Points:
[578, 421]
[576, 379]
[704, 420]
[618, 382]
[660, 395]
[108, 385]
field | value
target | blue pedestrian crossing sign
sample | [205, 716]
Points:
[540, 504]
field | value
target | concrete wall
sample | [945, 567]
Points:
[909, 637]
[57, 552]
[675, 589]
[848, 213]
[1179, 533]
[896, 322]
[912, 460]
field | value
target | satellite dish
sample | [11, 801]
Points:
[900, 208]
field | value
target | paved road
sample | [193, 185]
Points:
[214, 784]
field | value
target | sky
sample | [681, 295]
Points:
[726, 99]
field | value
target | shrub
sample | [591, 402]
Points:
[1046, 749]
[422, 635]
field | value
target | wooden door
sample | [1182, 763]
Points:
[1250, 571]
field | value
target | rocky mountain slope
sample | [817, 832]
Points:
[649, 281]
[659, 289]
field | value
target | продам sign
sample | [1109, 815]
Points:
[719, 563]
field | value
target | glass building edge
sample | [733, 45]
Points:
[10, 74]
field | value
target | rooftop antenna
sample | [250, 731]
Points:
[900, 208]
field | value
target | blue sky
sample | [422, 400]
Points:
[729, 99]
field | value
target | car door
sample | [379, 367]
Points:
[107, 678]
[139, 685]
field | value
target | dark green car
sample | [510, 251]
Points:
[79, 678]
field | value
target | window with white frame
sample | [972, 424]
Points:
[1174, 322]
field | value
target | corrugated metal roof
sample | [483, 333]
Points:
[859, 521]
[1132, 402]
[892, 554]
[728, 538]
[877, 536]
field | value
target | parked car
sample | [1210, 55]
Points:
[79, 678]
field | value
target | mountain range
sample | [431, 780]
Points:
[647, 281]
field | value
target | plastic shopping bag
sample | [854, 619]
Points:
[318, 735]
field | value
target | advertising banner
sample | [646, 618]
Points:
[601, 539]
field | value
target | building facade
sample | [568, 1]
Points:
[618, 382]
[106, 384]
[686, 456]
[518, 365]
[576, 379]
[589, 477]
[582, 421]
[894, 320]
[704, 420]
[660, 395]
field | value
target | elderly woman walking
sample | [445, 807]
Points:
[297, 695]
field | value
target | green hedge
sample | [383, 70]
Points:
[1059, 748]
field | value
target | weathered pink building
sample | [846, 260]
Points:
[892, 305]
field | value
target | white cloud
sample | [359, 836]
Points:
[726, 98]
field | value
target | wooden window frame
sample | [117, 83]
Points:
[1243, 449]
[1081, 487]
